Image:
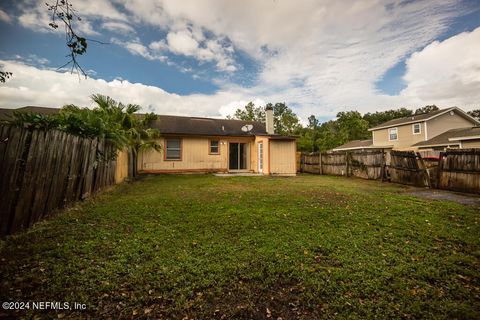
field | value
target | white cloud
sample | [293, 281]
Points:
[137, 48]
[118, 27]
[320, 56]
[182, 42]
[5, 17]
[446, 72]
[33, 14]
[42, 87]
[193, 43]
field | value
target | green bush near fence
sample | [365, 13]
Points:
[202, 247]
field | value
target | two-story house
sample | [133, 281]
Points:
[455, 127]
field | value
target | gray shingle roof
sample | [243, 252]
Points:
[5, 113]
[443, 139]
[206, 126]
[177, 124]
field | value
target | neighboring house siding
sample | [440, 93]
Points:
[470, 144]
[446, 122]
[195, 156]
[405, 135]
[282, 155]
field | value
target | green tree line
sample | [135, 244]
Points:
[317, 136]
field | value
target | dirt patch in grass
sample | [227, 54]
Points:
[434, 194]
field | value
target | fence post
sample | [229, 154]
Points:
[383, 166]
[347, 163]
[320, 166]
[439, 170]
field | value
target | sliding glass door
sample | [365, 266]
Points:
[237, 156]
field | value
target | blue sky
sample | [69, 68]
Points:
[209, 57]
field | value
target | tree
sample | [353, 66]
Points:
[475, 113]
[328, 136]
[379, 117]
[114, 122]
[250, 113]
[426, 109]
[352, 126]
[285, 121]
[62, 11]
[312, 128]
[4, 75]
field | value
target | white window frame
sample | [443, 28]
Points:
[419, 128]
[390, 134]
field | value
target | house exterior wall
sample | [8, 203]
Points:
[405, 136]
[278, 156]
[446, 122]
[282, 157]
[470, 144]
[266, 159]
[195, 156]
[121, 168]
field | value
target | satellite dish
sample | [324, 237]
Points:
[247, 128]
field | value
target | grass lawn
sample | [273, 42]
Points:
[202, 247]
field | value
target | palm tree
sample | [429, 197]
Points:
[135, 127]
[112, 121]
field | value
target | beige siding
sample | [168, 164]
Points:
[195, 156]
[264, 140]
[471, 144]
[282, 157]
[405, 136]
[446, 122]
[121, 169]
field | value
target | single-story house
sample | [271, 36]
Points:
[194, 144]
[409, 132]
[462, 138]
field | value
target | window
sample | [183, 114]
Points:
[416, 128]
[173, 149]
[214, 147]
[393, 134]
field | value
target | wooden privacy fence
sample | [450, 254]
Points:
[407, 167]
[364, 164]
[459, 170]
[44, 170]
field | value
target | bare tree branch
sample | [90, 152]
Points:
[64, 13]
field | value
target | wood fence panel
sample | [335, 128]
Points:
[22, 210]
[334, 163]
[366, 164]
[405, 169]
[459, 170]
[44, 171]
[14, 165]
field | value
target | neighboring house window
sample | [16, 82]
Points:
[393, 134]
[214, 147]
[173, 149]
[416, 128]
